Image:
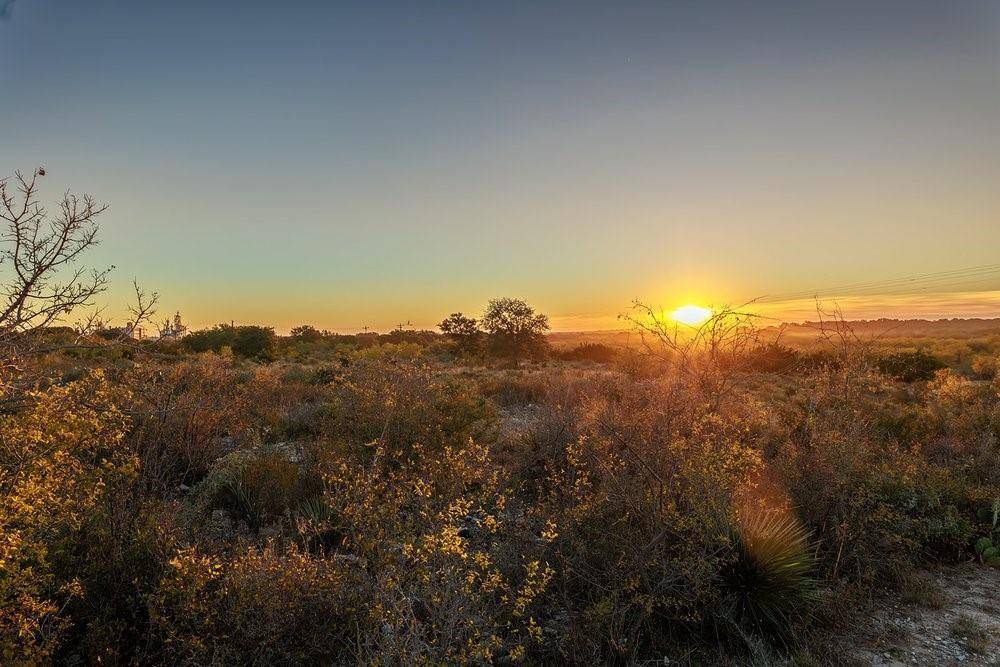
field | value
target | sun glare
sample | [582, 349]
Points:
[691, 315]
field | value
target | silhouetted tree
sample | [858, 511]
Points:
[464, 332]
[307, 332]
[514, 330]
[39, 253]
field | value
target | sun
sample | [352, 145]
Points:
[691, 315]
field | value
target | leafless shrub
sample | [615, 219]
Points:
[42, 282]
[707, 356]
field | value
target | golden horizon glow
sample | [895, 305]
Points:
[691, 314]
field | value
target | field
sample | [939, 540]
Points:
[500, 333]
[409, 497]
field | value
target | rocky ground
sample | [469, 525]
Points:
[947, 616]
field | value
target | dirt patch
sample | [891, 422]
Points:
[946, 616]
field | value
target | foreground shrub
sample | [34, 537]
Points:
[456, 578]
[257, 486]
[910, 366]
[261, 606]
[639, 501]
[876, 507]
[186, 416]
[56, 458]
[121, 555]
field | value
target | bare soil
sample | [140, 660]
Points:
[952, 618]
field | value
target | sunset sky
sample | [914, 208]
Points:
[362, 164]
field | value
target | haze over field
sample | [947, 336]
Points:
[354, 165]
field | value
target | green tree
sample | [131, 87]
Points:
[210, 340]
[255, 342]
[514, 330]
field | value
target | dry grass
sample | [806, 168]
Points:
[920, 590]
[971, 633]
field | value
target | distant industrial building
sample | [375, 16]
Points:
[173, 330]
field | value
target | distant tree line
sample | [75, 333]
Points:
[253, 342]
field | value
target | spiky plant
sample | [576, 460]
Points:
[768, 579]
[316, 523]
[315, 510]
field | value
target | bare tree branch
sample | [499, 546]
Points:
[706, 354]
[39, 282]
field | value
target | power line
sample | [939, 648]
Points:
[901, 285]
[916, 278]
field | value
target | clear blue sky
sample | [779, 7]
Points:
[351, 164]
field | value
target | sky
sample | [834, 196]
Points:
[365, 164]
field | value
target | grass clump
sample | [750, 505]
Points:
[920, 590]
[971, 633]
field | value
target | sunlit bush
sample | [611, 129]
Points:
[769, 580]
[456, 576]
[57, 457]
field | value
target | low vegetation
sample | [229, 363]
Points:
[476, 496]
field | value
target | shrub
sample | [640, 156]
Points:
[255, 342]
[636, 500]
[771, 358]
[186, 416]
[402, 405]
[457, 577]
[910, 366]
[985, 366]
[256, 486]
[260, 605]
[511, 389]
[875, 506]
[57, 457]
[122, 554]
[252, 342]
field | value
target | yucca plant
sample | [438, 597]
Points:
[315, 510]
[768, 580]
[316, 523]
